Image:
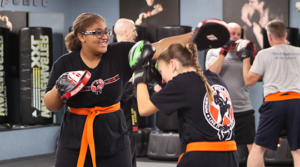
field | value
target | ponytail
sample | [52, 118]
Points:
[192, 48]
[72, 42]
[80, 24]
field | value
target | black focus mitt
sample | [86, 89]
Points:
[244, 49]
[210, 33]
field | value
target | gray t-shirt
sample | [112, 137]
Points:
[279, 67]
[232, 74]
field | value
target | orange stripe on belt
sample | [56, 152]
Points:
[279, 96]
[210, 146]
[88, 135]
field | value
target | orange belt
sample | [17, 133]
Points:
[88, 135]
[279, 96]
[210, 146]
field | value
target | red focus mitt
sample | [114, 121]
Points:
[70, 83]
[211, 33]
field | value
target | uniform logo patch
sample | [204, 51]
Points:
[219, 114]
[98, 85]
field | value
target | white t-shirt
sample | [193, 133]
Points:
[232, 75]
[279, 67]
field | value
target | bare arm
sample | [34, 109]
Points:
[145, 106]
[216, 66]
[52, 100]
[140, 19]
[247, 10]
[164, 43]
[250, 78]
[157, 9]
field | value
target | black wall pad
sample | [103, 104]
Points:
[35, 67]
[142, 33]
[4, 127]
[4, 74]
[144, 122]
[168, 31]
[282, 156]
[266, 43]
[292, 37]
[164, 146]
[142, 141]
[243, 154]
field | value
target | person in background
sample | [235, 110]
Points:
[190, 92]
[224, 62]
[279, 68]
[125, 30]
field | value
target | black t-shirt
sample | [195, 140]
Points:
[108, 78]
[186, 94]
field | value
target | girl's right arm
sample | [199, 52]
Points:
[145, 106]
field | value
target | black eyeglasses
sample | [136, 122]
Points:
[99, 33]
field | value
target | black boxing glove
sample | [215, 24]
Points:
[139, 60]
[225, 48]
[210, 33]
[70, 83]
[244, 49]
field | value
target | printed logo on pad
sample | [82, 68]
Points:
[219, 114]
[75, 76]
[242, 43]
[212, 37]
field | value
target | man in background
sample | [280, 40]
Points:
[279, 68]
[224, 62]
[125, 31]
